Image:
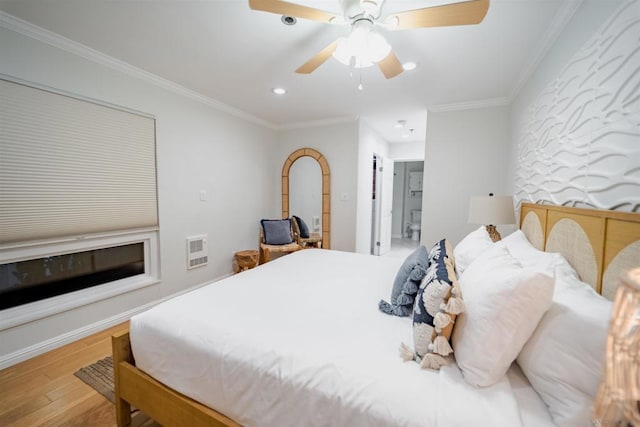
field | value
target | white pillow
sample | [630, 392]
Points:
[563, 359]
[522, 250]
[503, 305]
[470, 248]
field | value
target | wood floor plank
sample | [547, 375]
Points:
[53, 409]
[23, 409]
[28, 366]
[11, 396]
[71, 386]
[84, 358]
[44, 392]
[94, 411]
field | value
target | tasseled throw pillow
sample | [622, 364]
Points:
[406, 283]
[437, 304]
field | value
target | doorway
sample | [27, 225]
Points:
[406, 223]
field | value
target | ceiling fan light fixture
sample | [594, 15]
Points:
[363, 44]
[372, 7]
[392, 22]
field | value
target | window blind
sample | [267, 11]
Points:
[71, 167]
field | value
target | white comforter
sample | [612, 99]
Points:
[300, 342]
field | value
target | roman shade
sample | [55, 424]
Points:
[70, 167]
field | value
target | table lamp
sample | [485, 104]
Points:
[492, 210]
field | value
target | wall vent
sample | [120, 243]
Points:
[197, 251]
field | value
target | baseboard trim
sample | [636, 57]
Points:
[69, 337]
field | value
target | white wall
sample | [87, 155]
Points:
[575, 124]
[370, 143]
[466, 154]
[397, 223]
[338, 143]
[405, 151]
[198, 148]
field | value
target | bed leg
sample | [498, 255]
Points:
[123, 413]
[121, 353]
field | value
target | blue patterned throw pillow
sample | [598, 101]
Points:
[406, 283]
[441, 249]
[437, 304]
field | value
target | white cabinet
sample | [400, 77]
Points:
[415, 183]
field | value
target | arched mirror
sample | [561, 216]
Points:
[306, 191]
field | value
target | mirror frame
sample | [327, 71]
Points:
[326, 189]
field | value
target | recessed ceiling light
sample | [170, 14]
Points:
[408, 66]
[407, 135]
[288, 20]
[279, 90]
[400, 124]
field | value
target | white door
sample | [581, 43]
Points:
[375, 205]
[386, 206]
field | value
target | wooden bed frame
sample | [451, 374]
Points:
[613, 237]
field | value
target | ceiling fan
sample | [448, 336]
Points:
[365, 46]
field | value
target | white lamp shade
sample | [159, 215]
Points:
[491, 210]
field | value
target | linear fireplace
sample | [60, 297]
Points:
[23, 282]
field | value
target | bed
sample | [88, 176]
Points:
[279, 345]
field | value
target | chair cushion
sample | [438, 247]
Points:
[304, 230]
[277, 231]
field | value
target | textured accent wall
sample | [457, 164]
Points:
[579, 141]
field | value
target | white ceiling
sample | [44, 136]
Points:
[225, 51]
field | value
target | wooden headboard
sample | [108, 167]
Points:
[599, 244]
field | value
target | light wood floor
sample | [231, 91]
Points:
[44, 392]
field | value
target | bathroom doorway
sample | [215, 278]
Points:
[406, 220]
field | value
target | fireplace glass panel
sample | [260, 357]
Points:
[23, 282]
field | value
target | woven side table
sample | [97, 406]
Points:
[245, 260]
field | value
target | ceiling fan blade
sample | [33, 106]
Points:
[311, 65]
[390, 66]
[291, 9]
[466, 13]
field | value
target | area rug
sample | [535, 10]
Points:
[99, 376]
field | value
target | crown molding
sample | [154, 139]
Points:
[28, 29]
[560, 21]
[317, 123]
[469, 105]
